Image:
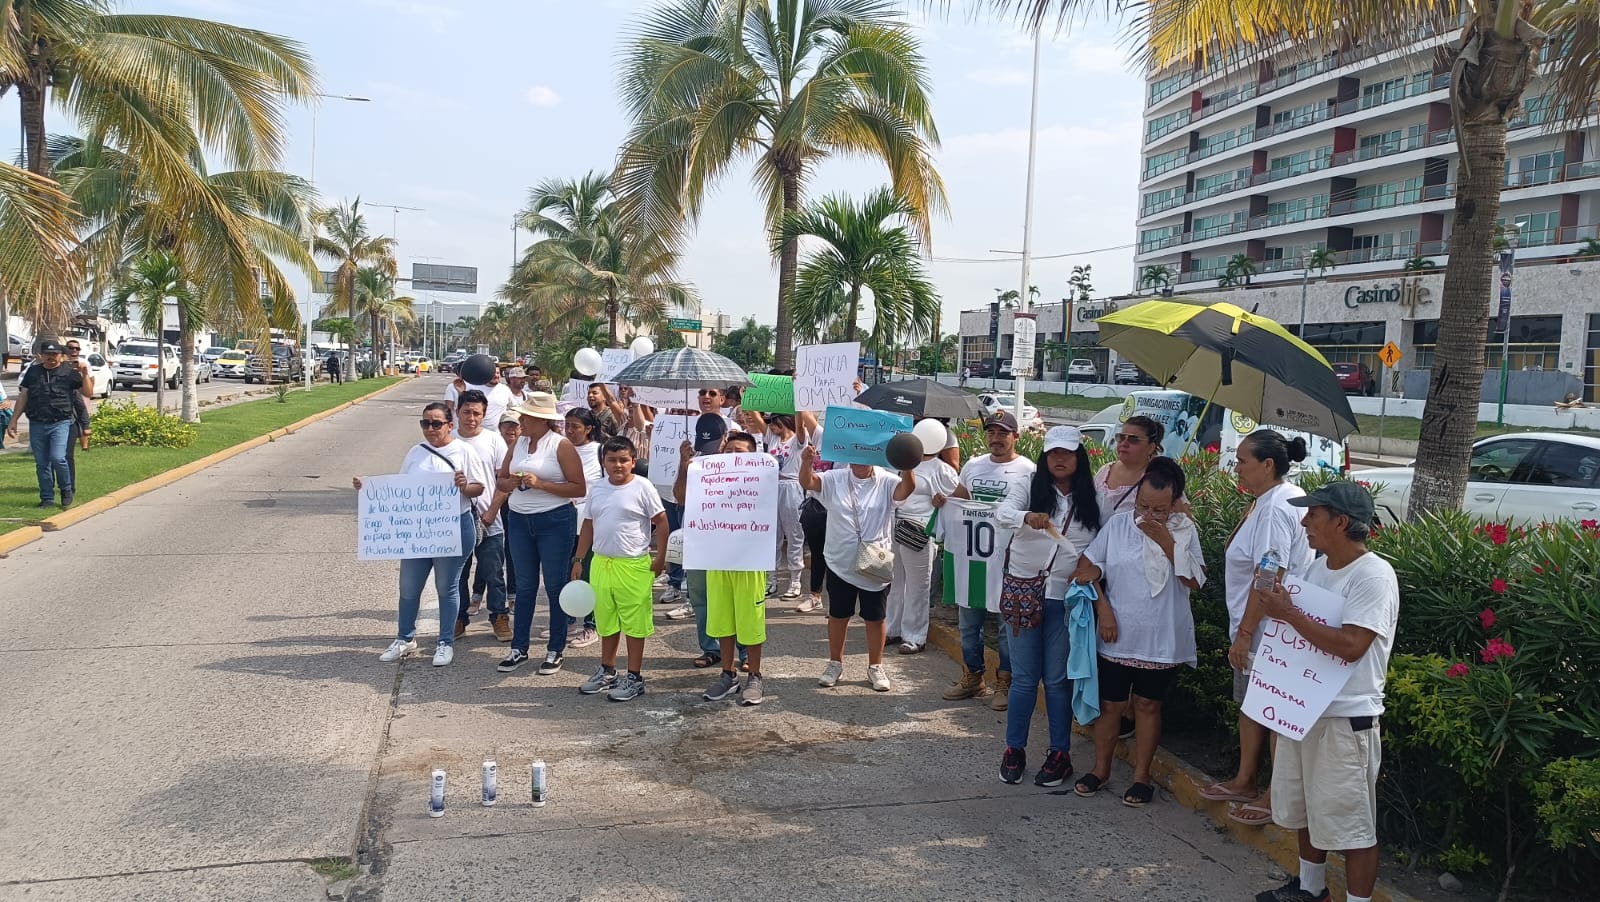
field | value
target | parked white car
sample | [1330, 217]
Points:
[1083, 369]
[996, 401]
[136, 364]
[1525, 477]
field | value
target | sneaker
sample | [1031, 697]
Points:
[660, 580]
[1125, 728]
[813, 603]
[544, 633]
[831, 674]
[443, 655]
[49, 502]
[600, 682]
[1291, 892]
[671, 596]
[1057, 768]
[772, 588]
[397, 649]
[502, 627]
[512, 661]
[629, 687]
[793, 591]
[1012, 764]
[681, 612]
[913, 648]
[552, 663]
[752, 690]
[66, 499]
[878, 678]
[726, 684]
[584, 639]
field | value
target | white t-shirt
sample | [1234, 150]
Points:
[500, 399]
[1159, 630]
[492, 449]
[859, 510]
[1371, 594]
[589, 456]
[1273, 525]
[934, 477]
[541, 461]
[987, 480]
[622, 515]
[787, 453]
[1032, 549]
[461, 457]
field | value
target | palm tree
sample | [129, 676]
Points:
[375, 300]
[1591, 248]
[710, 82]
[863, 246]
[343, 236]
[149, 283]
[1321, 260]
[750, 345]
[1491, 66]
[591, 260]
[1419, 263]
[171, 90]
[1008, 299]
[1238, 272]
[555, 355]
[1155, 277]
[1081, 282]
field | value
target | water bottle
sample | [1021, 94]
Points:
[1268, 570]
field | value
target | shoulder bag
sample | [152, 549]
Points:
[874, 560]
[482, 531]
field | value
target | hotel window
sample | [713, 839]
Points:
[1154, 239]
[1388, 194]
[1535, 169]
[1302, 162]
[1383, 92]
[1219, 224]
[1165, 124]
[1297, 210]
[1210, 266]
[1216, 184]
[1161, 162]
[1300, 115]
[1538, 229]
[1591, 370]
[1535, 342]
[1161, 200]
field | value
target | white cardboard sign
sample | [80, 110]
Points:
[612, 360]
[825, 374]
[730, 512]
[665, 398]
[409, 515]
[1293, 681]
[666, 436]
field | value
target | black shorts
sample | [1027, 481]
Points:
[843, 598]
[1117, 680]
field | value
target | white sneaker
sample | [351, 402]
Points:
[793, 591]
[585, 639]
[681, 612]
[831, 674]
[671, 596]
[397, 649]
[812, 603]
[772, 588]
[878, 678]
[660, 580]
[443, 655]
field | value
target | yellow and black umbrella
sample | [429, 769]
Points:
[1234, 359]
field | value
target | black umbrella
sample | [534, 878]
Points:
[920, 398]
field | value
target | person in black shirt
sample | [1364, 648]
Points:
[78, 435]
[45, 398]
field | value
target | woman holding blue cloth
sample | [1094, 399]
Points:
[1061, 519]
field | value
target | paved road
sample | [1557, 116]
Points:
[195, 711]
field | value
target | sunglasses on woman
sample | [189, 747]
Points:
[433, 424]
[1130, 439]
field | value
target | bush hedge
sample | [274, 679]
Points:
[126, 423]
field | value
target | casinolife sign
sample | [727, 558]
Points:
[1090, 314]
[1408, 294]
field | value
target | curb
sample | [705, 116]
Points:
[1184, 782]
[11, 540]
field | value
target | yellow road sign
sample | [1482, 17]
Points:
[1390, 355]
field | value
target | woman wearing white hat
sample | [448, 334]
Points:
[543, 475]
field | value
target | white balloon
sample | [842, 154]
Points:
[933, 435]
[643, 346]
[577, 598]
[587, 361]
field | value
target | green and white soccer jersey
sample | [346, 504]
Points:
[974, 548]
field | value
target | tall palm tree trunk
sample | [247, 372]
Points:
[1486, 94]
[611, 319]
[788, 266]
[855, 311]
[372, 319]
[48, 317]
[187, 408]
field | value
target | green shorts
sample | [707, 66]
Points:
[736, 605]
[622, 595]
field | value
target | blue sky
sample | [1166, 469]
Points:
[474, 101]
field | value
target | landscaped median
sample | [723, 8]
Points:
[110, 475]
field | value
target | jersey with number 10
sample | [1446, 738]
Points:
[973, 549]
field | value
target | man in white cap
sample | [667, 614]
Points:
[500, 397]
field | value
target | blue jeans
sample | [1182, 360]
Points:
[48, 441]
[697, 600]
[675, 571]
[972, 621]
[446, 583]
[490, 556]
[541, 544]
[1040, 655]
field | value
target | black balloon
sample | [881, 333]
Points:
[477, 369]
[904, 451]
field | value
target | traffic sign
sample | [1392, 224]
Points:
[1390, 355]
[683, 325]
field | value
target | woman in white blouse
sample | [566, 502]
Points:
[439, 452]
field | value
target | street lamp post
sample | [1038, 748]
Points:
[1024, 301]
[1305, 279]
[311, 234]
[1508, 264]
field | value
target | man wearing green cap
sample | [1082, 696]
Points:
[1325, 785]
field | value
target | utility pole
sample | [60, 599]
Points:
[1025, 300]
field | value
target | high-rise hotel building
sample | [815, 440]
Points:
[1353, 152]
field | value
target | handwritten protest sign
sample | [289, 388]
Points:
[408, 515]
[769, 394]
[664, 398]
[854, 436]
[612, 360]
[1293, 681]
[668, 433]
[825, 375]
[730, 511]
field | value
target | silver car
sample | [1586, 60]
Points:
[1525, 477]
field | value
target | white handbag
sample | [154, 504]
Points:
[874, 560]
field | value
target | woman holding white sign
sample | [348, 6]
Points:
[438, 452]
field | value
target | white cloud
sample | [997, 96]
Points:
[1000, 76]
[1014, 141]
[1085, 56]
[540, 95]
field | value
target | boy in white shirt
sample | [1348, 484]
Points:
[623, 510]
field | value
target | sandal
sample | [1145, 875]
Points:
[1138, 795]
[1249, 814]
[1219, 792]
[705, 661]
[1087, 785]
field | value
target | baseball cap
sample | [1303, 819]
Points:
[510, 417]
[1342, 497]
[50, 345]
[516, 372]
[1001, 418]
[708, 432]
[1064, 437]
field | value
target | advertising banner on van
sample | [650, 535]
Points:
[1321, 453]
[1177, 411]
